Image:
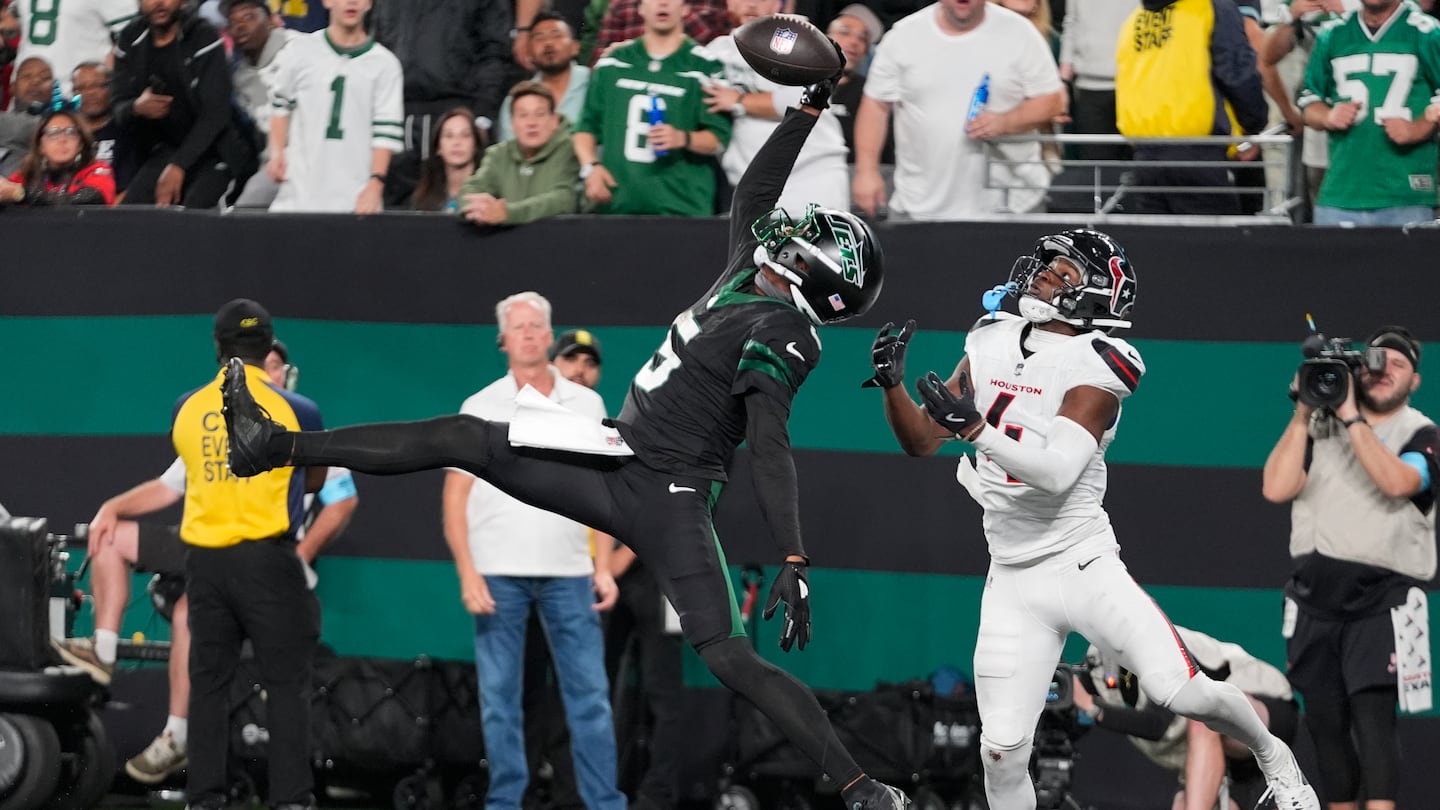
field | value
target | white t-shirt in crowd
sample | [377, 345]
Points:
[821, 174]
[929, 77]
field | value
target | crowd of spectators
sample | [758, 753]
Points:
[180, 98]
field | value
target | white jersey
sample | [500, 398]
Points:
[1020, 392]
[821, 174]
[342, 105]
[68, 33]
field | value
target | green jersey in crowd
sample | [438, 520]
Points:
[1392, 73]
[623, 88]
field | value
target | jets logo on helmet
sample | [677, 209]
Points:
[831, 259]
[848, 246]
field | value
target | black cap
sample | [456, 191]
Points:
[575, 340]
[281, 349]
[1399, 339]
[226, 6]
[243, 318]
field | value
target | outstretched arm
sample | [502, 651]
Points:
[776, 486]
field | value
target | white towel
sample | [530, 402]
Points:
[548, 425]
[1411, 622]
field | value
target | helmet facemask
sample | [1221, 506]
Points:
[1105, 295]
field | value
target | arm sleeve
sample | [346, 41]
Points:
[282, 85]
[123, 91]
[490, 38]
[1419, 452]
[1053, 467]
[776, 487]
[339, 486]
[1233, 67]
[483, 180]
[1148, 723]
[1070, 32]
[212, 91]
[1319, 83]
[886, 76]
[174, 476]
[388, 105]
[759, 188]
[592, 115]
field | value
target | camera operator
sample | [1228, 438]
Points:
[1362, 479]
[1215, 771]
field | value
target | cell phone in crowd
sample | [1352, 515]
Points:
[158, 87]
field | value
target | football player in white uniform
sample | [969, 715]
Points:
[1039, 397]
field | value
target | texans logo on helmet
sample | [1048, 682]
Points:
[1121, 289]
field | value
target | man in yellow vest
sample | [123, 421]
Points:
[1185, 69]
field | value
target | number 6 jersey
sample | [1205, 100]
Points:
[1020, 392]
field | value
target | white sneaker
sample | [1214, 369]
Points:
[160, 759]
[1287, 789]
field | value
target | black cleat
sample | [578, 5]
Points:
[249, 425]
[879, 796]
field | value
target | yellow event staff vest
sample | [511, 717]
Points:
[1162, 76]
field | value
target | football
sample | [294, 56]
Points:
[787, 49]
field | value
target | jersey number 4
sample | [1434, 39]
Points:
[665, 360]
[992, 418]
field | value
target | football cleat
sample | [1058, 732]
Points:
[1287, 789]
[879, 796]
[249, 425]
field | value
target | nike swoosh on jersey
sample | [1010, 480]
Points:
[674, 489]
[1085, 564]
[790, 347]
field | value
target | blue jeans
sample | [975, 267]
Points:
[1381, 217]
[577, 646]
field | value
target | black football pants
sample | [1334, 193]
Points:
[665, 518]
[254, 589]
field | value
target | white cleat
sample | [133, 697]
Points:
[1288, 789]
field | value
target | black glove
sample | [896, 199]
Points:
[956, 414]
[790, 587]
[817, 95]
[887, 356]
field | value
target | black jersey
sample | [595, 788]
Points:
[685, 412]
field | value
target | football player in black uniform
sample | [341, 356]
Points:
[725, 373]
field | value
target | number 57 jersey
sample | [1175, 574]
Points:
[1020, 393]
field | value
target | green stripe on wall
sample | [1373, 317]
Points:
[1200, 404]
[868, 626]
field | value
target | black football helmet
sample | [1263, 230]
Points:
[1106, 294]
[831, 258]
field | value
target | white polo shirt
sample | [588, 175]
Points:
[510, 538]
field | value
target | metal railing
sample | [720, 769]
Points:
[1111, 181]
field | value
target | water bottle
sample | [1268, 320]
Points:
[657, 116]
[981, 97]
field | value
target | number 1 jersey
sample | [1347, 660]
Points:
[342, 104]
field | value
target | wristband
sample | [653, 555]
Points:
[378, 176]
[1358, 418]
[687, 139]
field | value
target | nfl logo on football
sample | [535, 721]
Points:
[783, 41]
